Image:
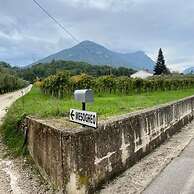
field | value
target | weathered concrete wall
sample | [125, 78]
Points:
[78, 160]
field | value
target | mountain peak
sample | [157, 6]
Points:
[90, 44]
[87, 42]
[96, 54]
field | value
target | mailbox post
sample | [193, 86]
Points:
[83, 117]
[83, 106]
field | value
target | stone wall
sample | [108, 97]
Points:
[78, 160]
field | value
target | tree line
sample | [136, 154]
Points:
[9, 80]
[62, 84]
[41, 71]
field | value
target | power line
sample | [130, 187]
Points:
[56, 21]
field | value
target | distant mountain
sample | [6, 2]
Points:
[93, 53]
[189, 70]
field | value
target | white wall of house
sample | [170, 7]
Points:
[141, 74]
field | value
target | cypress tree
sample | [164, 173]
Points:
[160, 67]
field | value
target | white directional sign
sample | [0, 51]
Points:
[83, 117]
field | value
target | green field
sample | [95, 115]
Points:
[37, 104]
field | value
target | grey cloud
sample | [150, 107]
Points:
[123, 25]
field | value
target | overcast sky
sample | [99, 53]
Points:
[27, 34]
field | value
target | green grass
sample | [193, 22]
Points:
[37, 104]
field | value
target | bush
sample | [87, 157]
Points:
[82, 81]
[57, 85]
[9, 83]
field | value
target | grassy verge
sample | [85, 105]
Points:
[37, 104]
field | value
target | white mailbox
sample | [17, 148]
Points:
[84, 96]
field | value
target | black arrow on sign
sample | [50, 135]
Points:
[72, 115]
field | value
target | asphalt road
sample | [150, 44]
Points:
[177, 177]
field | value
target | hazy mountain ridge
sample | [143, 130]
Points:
[189, 70]
[93, 53]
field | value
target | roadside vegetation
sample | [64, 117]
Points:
[9, 81]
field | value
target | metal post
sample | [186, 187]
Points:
[83, 106]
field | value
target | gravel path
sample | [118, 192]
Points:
[138, 177]
[7, 99]
[17, 176]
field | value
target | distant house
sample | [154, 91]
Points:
[142, 74]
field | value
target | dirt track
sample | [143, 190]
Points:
[7, 99]
[15, 174]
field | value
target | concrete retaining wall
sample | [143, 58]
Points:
[79, 160]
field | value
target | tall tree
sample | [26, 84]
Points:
[160, 67]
